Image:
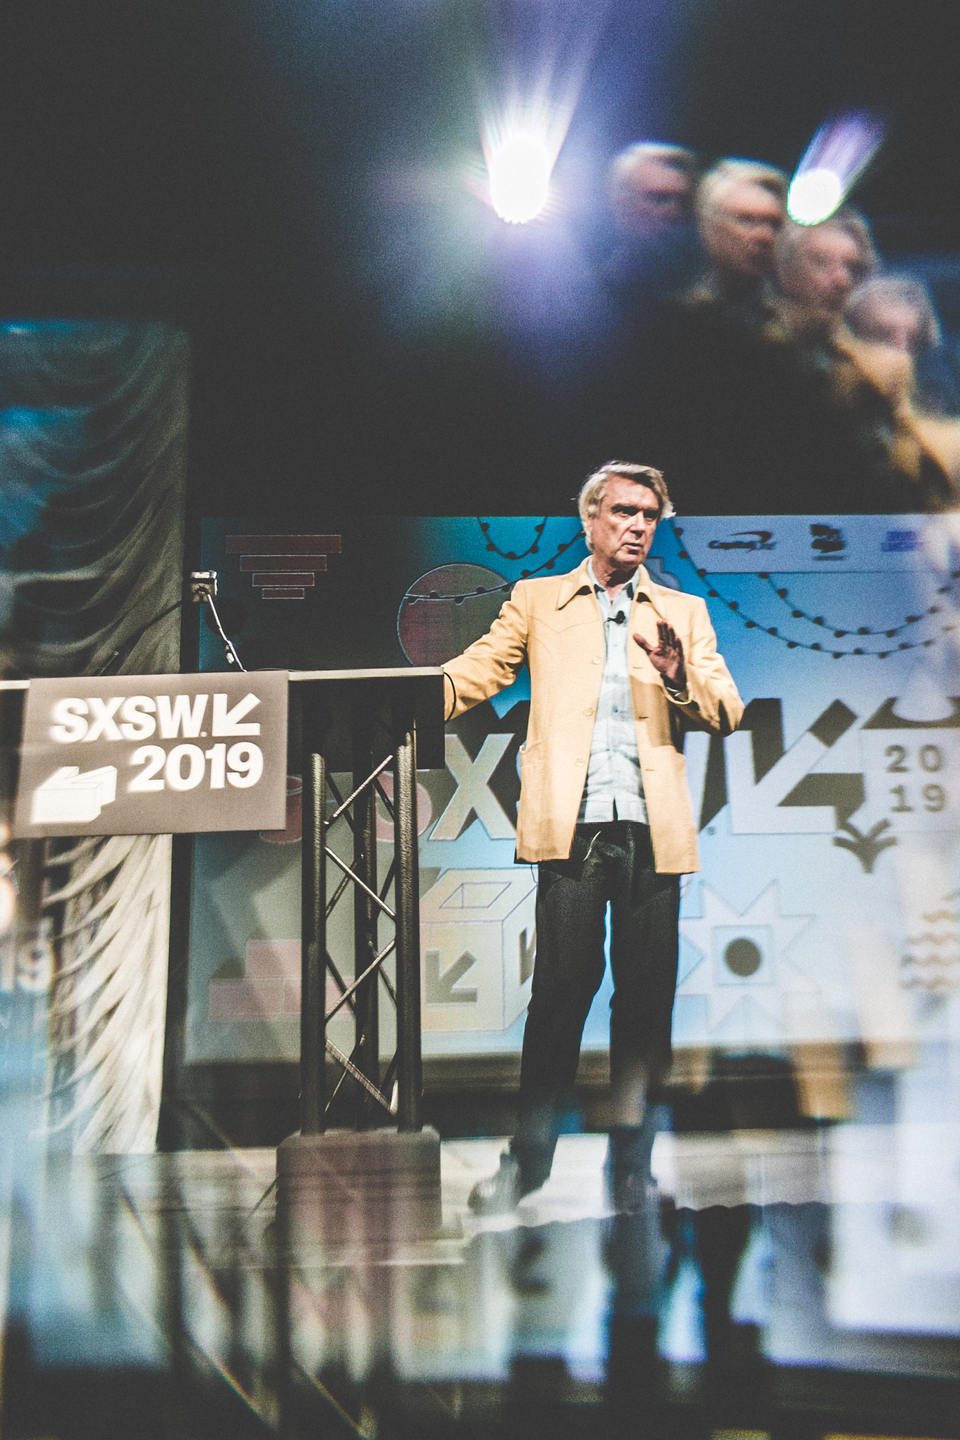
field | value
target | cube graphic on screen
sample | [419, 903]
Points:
[478, 942]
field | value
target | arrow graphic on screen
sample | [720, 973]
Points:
[439, 987]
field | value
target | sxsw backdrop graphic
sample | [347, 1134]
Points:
[827, 907]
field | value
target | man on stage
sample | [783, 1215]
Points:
[620, 668]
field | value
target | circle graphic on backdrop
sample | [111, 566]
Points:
[434, 630]
[742, 957]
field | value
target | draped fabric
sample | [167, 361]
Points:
[93, 431]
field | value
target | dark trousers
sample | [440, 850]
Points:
[609, 864]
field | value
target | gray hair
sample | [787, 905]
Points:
[593, 488]
[623, 167]
[847, 221]
[902, 289]
[731, 174]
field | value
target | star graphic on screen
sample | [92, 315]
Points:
[743, 956]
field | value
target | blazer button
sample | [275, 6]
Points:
[581, 762]
[597, 660]
[589, 710]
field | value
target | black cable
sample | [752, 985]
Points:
[453, 683]
[232, 657]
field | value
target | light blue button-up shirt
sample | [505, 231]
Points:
[614, 788]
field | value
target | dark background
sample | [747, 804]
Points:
[292, 182]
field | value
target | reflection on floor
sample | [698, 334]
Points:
[815, 1270]
[784, 1280]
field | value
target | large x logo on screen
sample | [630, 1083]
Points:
[473, 789]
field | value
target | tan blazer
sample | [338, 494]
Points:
[555, 624]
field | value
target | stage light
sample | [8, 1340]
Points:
[542, 54]
[835, 159]
[519, 171]
[814, 196]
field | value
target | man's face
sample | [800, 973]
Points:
[740, 234]
[891, 322]
[825, 269]
[654, 198]
[622, 531]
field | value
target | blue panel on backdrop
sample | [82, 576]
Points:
[826, 908]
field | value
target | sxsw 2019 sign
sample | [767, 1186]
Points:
[153, 754]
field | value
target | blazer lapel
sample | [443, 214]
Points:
[572, 583]
[658, 596]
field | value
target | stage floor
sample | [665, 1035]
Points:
[790, 1262]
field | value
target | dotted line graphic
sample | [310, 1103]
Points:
[532, 549]
[839, 632]
[798, 613]
[414, 598]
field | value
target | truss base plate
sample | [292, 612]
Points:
[378, 1187]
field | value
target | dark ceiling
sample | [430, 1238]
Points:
[292, 181]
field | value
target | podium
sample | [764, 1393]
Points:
[384, 1174]
[371, 724]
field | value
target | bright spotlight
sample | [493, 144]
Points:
[519, 170]
[814, 196]
[835, 158]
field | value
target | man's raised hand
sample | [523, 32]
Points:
[667, 657]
